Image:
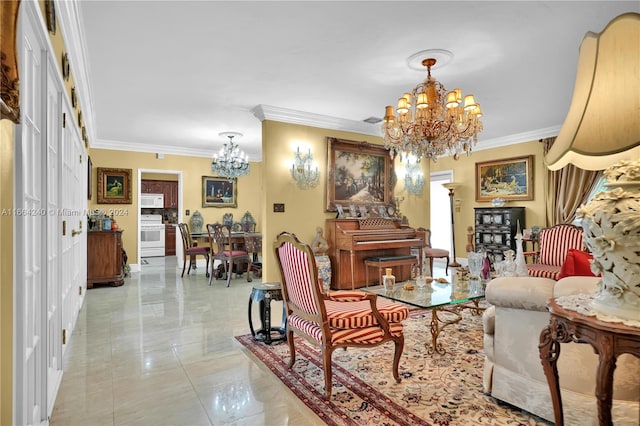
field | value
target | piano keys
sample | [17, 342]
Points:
[353, 240]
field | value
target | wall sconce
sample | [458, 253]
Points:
[304, 171]
[413, 178]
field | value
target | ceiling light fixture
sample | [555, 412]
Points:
[431, 122]
[230, 162]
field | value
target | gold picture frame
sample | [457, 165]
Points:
[509, 178]
[114, 186]
[219, 192]
[358, 173]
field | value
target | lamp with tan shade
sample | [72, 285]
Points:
[602, 130]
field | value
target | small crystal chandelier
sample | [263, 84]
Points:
[304, 171]
[230, 162]
[431, 122]
[413, 178]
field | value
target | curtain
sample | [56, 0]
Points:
[568, 188]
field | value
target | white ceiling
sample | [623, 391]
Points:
[168, 76]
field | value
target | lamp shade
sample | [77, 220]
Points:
[603, 122]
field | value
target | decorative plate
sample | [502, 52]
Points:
[65, 66]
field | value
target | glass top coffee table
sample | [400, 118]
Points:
[449, 297]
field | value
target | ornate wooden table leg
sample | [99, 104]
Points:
[604, 378]
[549, 352]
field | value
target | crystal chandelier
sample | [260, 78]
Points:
[304, 171]
[431, 122]
[230, 162]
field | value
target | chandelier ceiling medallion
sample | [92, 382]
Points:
[230, 162]
[432, 122]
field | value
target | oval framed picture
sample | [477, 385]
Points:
[391, 210]
[65, 66]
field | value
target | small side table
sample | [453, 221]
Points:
[608, 339]
[265, 293]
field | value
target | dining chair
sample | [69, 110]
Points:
[253, 246]
[190, 250]
[222, 248]
[335, 319]
[433, 253]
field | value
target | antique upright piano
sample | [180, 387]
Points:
[353, 240]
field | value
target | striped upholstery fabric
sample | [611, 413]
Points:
[298, 278]
[359, 315]
[357, 335]
[336, 318]
[543, 271]
[555, 243]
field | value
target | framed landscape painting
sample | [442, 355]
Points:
[510, 178]
[358, 174]
[219, 192]
[114, 186]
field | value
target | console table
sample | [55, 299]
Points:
[608, 339]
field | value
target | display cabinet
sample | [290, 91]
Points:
[496, 228]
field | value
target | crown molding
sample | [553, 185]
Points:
[145, 147]
[72, 27]
[517, 138]
[268, 112]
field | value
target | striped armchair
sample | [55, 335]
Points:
[555, 243]
[336, 319]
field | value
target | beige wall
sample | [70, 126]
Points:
[193, 168]
[6, 271]
[464, 172]
[305, 209]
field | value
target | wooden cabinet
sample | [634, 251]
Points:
[170, 191]
[496, 229]
[104, 258]
[170, 240]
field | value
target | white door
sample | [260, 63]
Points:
[73, 235]
[30, 350]
[440, 211]
[53, 175]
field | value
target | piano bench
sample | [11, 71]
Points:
[387, 262]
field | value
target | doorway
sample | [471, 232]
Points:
[159, 175]
[440, 210]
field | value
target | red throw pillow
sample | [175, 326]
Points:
[576, 264]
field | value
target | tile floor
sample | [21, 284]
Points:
[160, 350]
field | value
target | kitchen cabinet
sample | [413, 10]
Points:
[170, 240]
[170, 191]
[496, 229]
[104, 258]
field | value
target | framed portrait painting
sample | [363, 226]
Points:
[358, 174]
[510, 178]
[114, 186]
[219, 192]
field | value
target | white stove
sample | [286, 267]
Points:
[151, 235]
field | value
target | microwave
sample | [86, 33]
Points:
[152, 201]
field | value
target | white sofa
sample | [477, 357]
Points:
[513, 371]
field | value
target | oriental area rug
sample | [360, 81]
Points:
[435, 389]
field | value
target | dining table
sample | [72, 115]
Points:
[251, 242]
